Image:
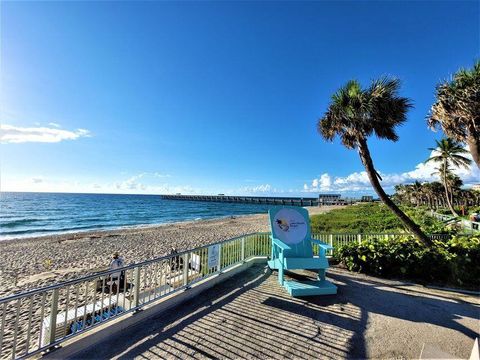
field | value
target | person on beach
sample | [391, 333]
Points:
[116, 277]
[177, 261]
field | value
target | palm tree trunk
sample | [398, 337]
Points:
[447, 196]
[473, 141]
[364, 153]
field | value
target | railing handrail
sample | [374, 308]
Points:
[463, 221]
[166, 257]
[109, 272]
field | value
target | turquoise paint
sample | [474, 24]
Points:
[298, 256]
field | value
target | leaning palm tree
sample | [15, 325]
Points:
[448, 153]
[354, 114]
[457, 109]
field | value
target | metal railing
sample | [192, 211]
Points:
[36, 320]
[466, 224]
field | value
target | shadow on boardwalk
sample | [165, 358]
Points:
[251, 316]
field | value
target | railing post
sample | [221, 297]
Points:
[243, 249]
[136, 294]
[185, 268]
[330, 239]
[219, 257]
[53, 317]
[359, 239]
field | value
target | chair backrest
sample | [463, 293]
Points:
[291, 225]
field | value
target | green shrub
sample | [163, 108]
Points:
[455, 262]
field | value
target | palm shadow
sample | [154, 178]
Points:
[372, 297]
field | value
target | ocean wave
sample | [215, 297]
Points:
[41, 214]
[15, 223]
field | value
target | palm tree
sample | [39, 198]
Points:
[417, 190]
[457, 109]
[354, 114]
[429, 194]
[437, 190]
[454, 184]
[448, 153]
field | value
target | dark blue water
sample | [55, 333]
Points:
[34, 214]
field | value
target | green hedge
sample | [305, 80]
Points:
[452, 262]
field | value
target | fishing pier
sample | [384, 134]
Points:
[323, 199]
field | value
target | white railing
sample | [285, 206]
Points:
[37, 320]
[467, 224]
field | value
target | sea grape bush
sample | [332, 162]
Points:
[452, 262]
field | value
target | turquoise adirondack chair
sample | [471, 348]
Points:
[292, 250]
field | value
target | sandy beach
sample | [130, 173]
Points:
[35, 262]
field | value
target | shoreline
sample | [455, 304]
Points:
[33, 262]
[86, 232]
[313, 210]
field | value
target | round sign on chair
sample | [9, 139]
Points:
[290, 226]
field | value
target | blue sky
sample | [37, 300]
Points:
[208, 97]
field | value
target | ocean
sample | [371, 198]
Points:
[37, 214]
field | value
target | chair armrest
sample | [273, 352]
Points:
[280, 244]
[322, 244]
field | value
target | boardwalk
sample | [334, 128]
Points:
[251, 316]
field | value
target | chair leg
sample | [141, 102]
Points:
[280, 270]
[321, 274]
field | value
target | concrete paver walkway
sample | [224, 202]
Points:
[251, 316]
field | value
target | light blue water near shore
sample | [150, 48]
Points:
[36, 214]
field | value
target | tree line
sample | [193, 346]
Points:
[356, 113]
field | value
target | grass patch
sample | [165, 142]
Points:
[372, 218]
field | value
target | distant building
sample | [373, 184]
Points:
[329, 199]
[367, 198]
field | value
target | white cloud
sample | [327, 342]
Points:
[54, 124]
[358, 181]
[264, 188]
[37, 180]
[131, 183]
[137, 184]
[161, 175]
[17, 134]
